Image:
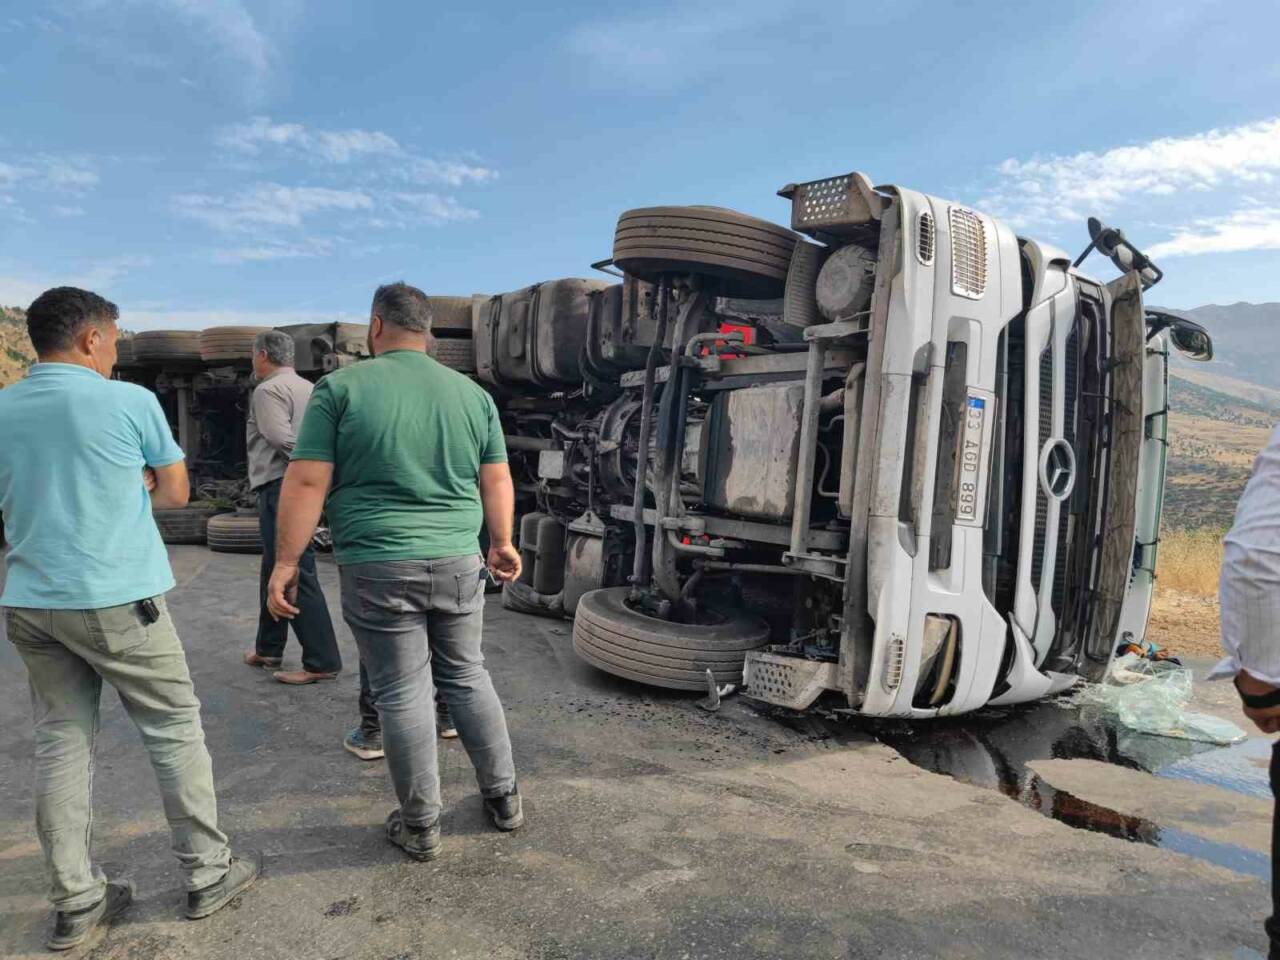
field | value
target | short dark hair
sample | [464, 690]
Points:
[405, 306]
[57, 316]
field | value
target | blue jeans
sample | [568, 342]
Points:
[68, 653]
[418, 624]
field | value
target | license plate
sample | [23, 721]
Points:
[971, 489]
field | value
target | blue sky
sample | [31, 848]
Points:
[208, 161]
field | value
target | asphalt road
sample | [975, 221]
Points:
[654, 830]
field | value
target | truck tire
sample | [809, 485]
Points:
[748, 255]
[456, 353]
[124, 353]
[225, 344]
[450, 314]
[184, 525]
[234, 533]
[611, 636]
[158, 348]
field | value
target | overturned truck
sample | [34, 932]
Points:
[896, 458]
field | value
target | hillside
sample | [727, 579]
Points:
[1214, 437]
[1246, 340]
[16, 353]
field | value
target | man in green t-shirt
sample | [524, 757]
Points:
[411, 458]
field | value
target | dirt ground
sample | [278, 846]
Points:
[655, 830]
[1186, 624]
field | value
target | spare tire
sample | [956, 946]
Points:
[234, 533]
[184, 524]
[160, 347]
[748, 255]
[220, 344]
[610, 635]
[457, 354]
[451, 315]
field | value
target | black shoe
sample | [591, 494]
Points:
[505, 812]
[240, 876]
[421, 843]
[71, 928]
[444, 722]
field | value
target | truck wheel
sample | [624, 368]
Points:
[609, 635]
[222, 344]
[750, 256]
[158, 348]
[456, 353]
[450, 314]
[124, 353]
[234, 533]
[185, 524]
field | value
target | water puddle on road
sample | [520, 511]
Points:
[993, 749]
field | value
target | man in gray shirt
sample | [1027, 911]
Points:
[275, 412]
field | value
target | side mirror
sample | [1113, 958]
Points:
[1191, 339]
[1188, 337]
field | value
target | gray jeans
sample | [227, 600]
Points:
[68, 653]
[418, 622]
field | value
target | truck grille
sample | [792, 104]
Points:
[1071, 397]
[1042, 502]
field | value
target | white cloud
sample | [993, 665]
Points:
[1057, 188]
[229, 26]
[244, 55]
[10, 175]
[70, 175]
[273, 250]
[69, 211]
[336, 146]
[1251, 228]
[1215, 192]
[434, 208]
[269, 211]
[97, 275]
[268, 204]
[258, 135]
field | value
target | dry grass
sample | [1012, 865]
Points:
[1189, 561]
[1184, 614]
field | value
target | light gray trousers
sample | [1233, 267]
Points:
[418, 622]
[68, 653]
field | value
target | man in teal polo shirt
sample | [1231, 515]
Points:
[83, 459]
[411, 457]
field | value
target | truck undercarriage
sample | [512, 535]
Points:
[894, 459]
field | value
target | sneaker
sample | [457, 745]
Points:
[421, 843]
[240, 876]
[505, 812]
[366, 746]
[444, 722]
[71, 928]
